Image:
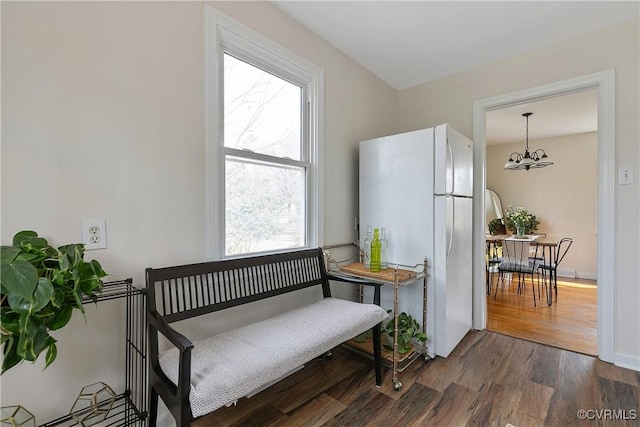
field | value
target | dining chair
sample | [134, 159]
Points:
[516, 259]
[551, 265]
[492, 261]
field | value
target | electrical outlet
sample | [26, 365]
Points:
[94, 234]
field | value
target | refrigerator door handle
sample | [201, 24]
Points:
[450, 170]
[452, 228]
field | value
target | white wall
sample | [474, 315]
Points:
[451, 100]
[102, 117]
[564, 196]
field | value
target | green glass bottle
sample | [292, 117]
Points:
[376, 250]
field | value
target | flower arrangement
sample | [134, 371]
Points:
[520, 220]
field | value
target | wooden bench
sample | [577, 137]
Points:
[196, 378]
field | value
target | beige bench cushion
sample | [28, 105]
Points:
[230, 365]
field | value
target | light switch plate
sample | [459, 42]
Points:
[626, 176]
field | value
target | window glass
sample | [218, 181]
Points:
[262, 112]
[264, 207]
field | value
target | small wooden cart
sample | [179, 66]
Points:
[397, 277]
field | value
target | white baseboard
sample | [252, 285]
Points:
[573, 274]
[627, 361]
[586, 275]
[567, 273]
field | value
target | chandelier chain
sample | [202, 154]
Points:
[527, 135]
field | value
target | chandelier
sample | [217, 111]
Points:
[526, 161]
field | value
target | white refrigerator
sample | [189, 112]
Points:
[419, 186]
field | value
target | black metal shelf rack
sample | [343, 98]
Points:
[130, 407]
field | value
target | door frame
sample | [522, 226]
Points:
[604, 83]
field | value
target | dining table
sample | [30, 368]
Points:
[547, 245]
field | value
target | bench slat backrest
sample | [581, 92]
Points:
[186, 291]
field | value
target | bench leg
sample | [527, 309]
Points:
[153, 408]
[377, 354]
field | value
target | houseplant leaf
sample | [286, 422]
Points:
[33, 337]
[19, 278]
[8, 254]
[90, 274]
[10, 322]
[11, 357]
[77, 296]
[52, 352]
[61, 318]
[58, 297]
[71, 255]
[23, 235]
[41, 297]
[28, 331]
[34, 244]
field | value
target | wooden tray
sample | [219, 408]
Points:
[387, 275]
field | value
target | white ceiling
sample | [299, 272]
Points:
[559, 116]
[407, 43]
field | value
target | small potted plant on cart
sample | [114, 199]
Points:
[409, 334]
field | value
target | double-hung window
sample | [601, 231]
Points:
[262, 142]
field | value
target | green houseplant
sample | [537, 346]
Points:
[40, 286]
[520, 220]
[408, 329]
[496, 226]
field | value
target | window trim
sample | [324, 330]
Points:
[225, 34]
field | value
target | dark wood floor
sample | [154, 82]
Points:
[571, 322]
[489, 380]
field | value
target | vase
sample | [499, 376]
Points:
[520, 230]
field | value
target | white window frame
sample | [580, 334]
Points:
[223, 34]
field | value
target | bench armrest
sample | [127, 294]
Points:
[181, 342]
[358, 281]
[175, 397]
[353, 280]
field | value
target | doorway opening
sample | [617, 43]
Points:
[604, 84]
[563, 197]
